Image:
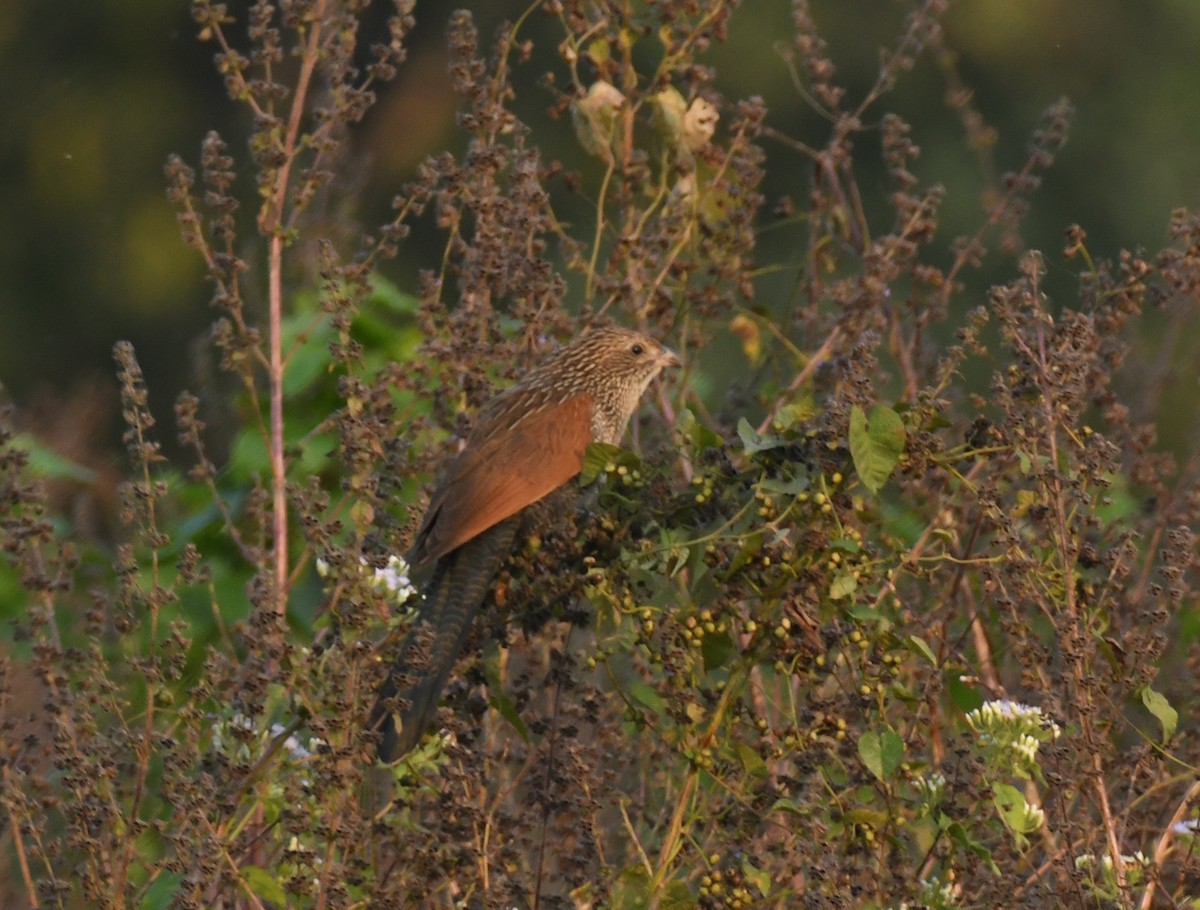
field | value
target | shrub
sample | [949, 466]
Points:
[896, 616]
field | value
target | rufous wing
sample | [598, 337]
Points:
[501, 473]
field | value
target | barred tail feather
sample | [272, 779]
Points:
[452, 599]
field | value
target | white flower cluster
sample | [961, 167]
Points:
[235, 734]
[1012, 732]
[295, 750]
[1088, 860]
[1003, 713]
[392, 580]
[935, 895]
[931, 789]
[232, 733]
[942, 895]
[1027, 746]
[1102, 877]
[933, 784]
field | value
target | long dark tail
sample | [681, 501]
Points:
[452, 598]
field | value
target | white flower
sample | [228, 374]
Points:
[1088, 860]
[1012, 732]
[939, 894]
[1036, 816]
[931, 789]
[1187, 826]
[1026, 746]
[241, 722]
[393, 579]
[295, 750]
[225, 736]
[1000, 710]
[934, 782]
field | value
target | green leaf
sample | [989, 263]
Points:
[863, 815]
[957, 833]
[676, 896]
[500, 700]
[750, 547]
[788, 487]
[863, 613]
[876, 444]
[598, 51]
[1025, 500]
[679, 560]
[843, 585]
[902, 521]
[1156, 703]
[508, 710]
[965, 697]
[497, 697]
[790, 805]
[791, 414]
[1014, 811]
[45, 462]
[264, 885]
[248, 455]
[753, 442]
[1119, 501]
[645, 694]
[596, 459]
[757, 877]
[751, 760]
[881, 752]
[699, 436]
[388, 295]
[632, 889]
[920, 646]
[308, 361]
[717, 649]
[160, 893]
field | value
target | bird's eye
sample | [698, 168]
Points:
[638, 350]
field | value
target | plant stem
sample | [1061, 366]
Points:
[279, 523]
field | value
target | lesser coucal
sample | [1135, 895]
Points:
[528, 442]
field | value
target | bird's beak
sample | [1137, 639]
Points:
[668, 358]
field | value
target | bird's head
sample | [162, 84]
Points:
[623, 356]
[614, 366]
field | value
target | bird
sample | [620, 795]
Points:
[527, 443]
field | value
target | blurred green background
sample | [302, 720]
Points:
[97, 93]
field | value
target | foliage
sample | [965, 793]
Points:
[897, 618]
